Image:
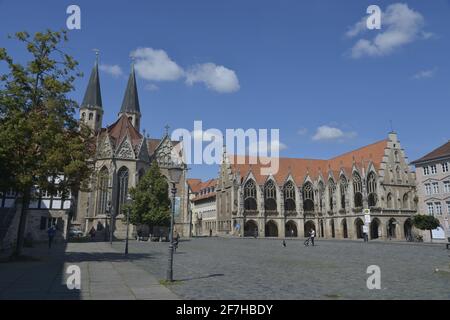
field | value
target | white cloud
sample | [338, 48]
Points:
[156, 65]
[113, 70]
[425, 74]
[217, 78]
[400, 26]
[331, 133]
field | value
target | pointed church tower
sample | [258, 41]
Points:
[130, 105]
[91, 109]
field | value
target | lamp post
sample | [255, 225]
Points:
[107, 213]
[174, 175]
[111, 222]
[128, 223]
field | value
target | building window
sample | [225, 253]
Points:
[270, 196]
[123, 188]
[103, 185]
[433, 169]
[448, 207]
[250, 196]
[445, 167]
[308, 197]
[91, 116]
[428, 189]
[435, 187]
[372, 189]
[343, 188]
[357, 188]
[430, 207]
[447, 186]
[426, 171]
[289, 197]
[438, 208]
[331, 191]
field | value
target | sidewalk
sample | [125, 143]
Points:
[105, 275]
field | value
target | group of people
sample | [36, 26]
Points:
[309, 240]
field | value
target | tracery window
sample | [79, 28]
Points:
[289, 196]
[270, 196]
[343, 185]
[372, 189]
[102, 192]
[357, 189]
[308, 197]
[250, 196]
[123, 188]
[331, 191]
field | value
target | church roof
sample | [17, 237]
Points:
[301, 168]
[92, 97]
[153, 144]
[130, 103]
[438, 153]
[121, 128]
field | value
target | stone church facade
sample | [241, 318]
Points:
[328, 196]
[122, 155]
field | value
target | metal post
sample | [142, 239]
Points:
[128, 227]
[169, 276]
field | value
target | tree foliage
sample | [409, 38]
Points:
[40, 139]
[151, 203]
[425, 222]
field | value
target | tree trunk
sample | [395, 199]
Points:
[22, 223]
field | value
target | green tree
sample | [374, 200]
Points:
[40, 139]
[426, 222]
[151, 203]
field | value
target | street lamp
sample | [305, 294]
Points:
[128, 222]
[174, 176]
[111, 222]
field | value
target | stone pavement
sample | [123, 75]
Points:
[241, 269]
[105, 274]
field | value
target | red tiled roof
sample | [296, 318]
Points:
[301, 168]
[121, 128]
[197, 185]
[440, 152]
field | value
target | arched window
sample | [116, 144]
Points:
[398, 173]
[390, 201]
[102, 192]
[91, 116]
[289, 197]
[396, 156]
[331, 191]
[321, 192]
[343, 188]
[308, 197]
[83, 115]
[405, 201]
[357, 190]
[372, 189]
[123, 188]
[270, 196]
[250, 196]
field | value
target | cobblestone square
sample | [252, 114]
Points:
[226, 268]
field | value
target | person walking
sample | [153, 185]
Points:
[366, 233]
[284, 243]
[312, 236]
[51, 235]
[92, 233]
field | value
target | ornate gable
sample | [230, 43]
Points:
[125, 150]
[104, 149]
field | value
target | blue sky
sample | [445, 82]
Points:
[285, 64]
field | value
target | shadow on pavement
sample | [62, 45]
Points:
[203, 277]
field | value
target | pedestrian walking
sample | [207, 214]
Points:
[312, 236]
[51, 234]
[92, 233]
[176, 240]
[366, 233]
[284, 243]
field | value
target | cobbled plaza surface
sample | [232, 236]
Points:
[225, 268]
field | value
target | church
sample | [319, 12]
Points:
[122, 155]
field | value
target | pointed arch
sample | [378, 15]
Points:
[122, 178]
[357, 190]
[331, 192]
[289, 197]
[102, 190]
[372, 189]
[308, 197]
[270, 196]
[250, 196]
[343, 185]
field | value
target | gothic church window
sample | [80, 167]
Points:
[123, 188]
[102, 193]
[357, 189]
[270, 196]
[308, 197]
[250, 196]
[289, 196]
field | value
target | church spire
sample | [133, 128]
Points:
[130, 104]
[91, 109]
[93, 97]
